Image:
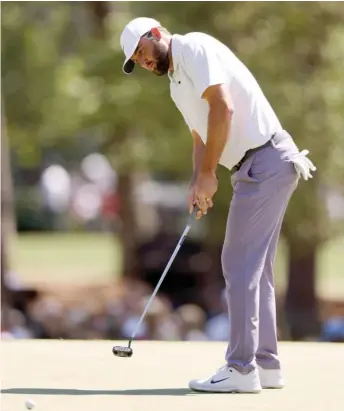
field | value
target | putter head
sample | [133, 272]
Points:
[122, 351]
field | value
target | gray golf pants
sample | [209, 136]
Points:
[262, 188]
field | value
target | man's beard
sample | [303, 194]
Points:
[162, 62]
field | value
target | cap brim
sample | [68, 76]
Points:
[128, 66]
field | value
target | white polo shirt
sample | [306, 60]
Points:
[200, 61]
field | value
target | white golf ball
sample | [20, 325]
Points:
[29, 404]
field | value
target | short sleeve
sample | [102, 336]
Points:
[203, 65]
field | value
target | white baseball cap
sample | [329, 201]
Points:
[130, 38]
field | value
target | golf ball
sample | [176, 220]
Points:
[29, 404]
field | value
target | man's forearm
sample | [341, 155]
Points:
[219, 123]
[198, 154]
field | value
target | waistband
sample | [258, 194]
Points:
[275, 139]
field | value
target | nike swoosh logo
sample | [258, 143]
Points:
[215, 382]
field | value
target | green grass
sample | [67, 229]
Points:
[66, 258]
[94, 258]
[84, 375]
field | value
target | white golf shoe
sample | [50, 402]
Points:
[228, 379]
[270, 378]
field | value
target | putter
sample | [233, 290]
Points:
[128, 351]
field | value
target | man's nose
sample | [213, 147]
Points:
[143, 62]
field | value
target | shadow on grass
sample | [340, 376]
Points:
[62, 391]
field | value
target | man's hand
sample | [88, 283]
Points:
[202, 191]
[192, 200]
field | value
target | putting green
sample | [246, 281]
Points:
[84, 375]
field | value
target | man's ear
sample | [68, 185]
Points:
[156, 33]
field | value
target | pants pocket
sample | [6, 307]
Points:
[244, 175]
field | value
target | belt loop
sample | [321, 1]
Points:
[280, 136]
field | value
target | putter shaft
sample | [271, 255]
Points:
[180, 242]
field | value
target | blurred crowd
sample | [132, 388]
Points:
[111, 313]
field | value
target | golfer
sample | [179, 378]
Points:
[232, 124]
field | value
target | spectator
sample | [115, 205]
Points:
[192, 321]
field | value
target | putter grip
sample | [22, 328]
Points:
[194, 212]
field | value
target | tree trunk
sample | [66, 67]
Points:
[100, 11]
[7, 218]
[301, 308]
[128, 224]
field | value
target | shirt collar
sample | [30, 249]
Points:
[176, 45]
